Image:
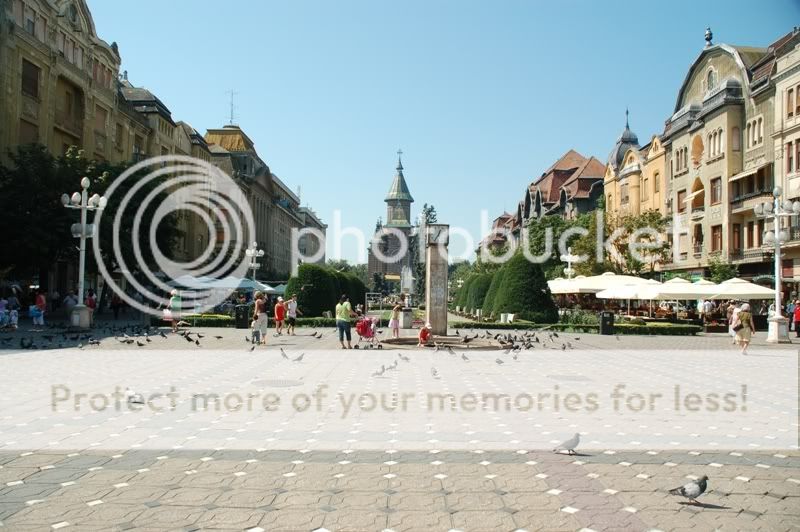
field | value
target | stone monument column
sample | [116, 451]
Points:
[436, 242]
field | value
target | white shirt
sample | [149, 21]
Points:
[292, 309]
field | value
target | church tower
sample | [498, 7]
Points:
[399, 200]
[398, 217]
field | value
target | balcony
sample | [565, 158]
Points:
[744, 202]
[698, 212]
[750, 255]
[69, 123]
[698, 250]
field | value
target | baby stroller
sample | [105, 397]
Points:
[365, 328]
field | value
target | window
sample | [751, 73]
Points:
[609, 204]
[28, 133]
[656, 179]
[118, 136]
[645, 188]
[747, 134]
[711, 79]
[100, 117]
[737, 237]
[68, 49]
[797, 101]
[789, 158]
[760, 234]
[60, 39]
[750, 241]
[790, 103]
[716, 238]
[79, 57]
[716, 190]
[682, 200]
[41, 28]
[760, 130]
[30, 79]
[30, 20]
[18, 10]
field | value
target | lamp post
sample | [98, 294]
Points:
[569, 258]
[81, 200]
[778, 325]
[254, 254]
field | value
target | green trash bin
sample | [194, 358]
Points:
[606, 322]
[241, 316]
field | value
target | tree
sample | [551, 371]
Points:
[315, 289]
[524, 292]
[721, 271]
[463, 292]
[37, 226]
[631, 227]
[477, 290]
[491, 294]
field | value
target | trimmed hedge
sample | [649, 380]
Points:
[463, 292]
[330, 322]
[478, 289]
[524, 292]
[316, 289]
[491, 294]
[667, 329]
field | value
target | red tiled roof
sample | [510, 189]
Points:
[581, 181]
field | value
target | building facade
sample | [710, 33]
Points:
[635, 177]
[720, 153]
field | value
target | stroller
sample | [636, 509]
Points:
[365, 328]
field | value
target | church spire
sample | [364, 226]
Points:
[399, 189]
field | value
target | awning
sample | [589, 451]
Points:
[693, 194]
[748, 172]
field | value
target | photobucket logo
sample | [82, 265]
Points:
[147, 193]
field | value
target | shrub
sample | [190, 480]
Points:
[315, 288]
[524, 292]
[463, 292]
[491, 294]
[478, 289]
[580, 317]
[200, 320]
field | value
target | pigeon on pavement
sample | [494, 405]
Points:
[692, 490]
[133, 397]
[569, 445]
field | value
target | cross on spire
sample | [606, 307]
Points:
[399, 159]
[626, 118]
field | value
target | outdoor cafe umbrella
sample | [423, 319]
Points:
[639, 290]
[678, 288]
[740, 289]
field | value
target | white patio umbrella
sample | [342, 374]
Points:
[740, 289]
[569, 286]
[678, 288]
[629, 291]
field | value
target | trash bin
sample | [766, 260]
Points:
[241, 316]
[606, 322]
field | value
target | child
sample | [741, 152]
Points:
[424, 335]
[255, 336]
[394, 323]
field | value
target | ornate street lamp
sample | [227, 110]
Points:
[778, 325]
[81, 200]
[254, 254]
[569, 258]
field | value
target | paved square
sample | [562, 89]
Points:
[354, 465]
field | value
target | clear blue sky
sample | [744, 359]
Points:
[481, 96]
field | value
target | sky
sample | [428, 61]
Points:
[481, 96]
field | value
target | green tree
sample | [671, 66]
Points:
[491, 294]
[316, 289]
[524, 292]
[477, 290]
[462, 299]
[721, 271]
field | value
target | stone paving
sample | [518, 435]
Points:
[325, 477]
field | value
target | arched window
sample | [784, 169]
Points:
[747, 134]
[760, 130]
[656, 179]
[721, 141]
[736, 139]
[610, 205]
[710, 79]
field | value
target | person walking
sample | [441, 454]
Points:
[260, 319]
[731, 312]
[394, 322]
[116, 303]
[796, 318]
[744, 327]
[291, 314]
[343, 314]
[41, 307]
[174, 309]
[280, 316]
[91, 302]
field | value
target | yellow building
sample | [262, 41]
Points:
[58, 79]
[634, 180]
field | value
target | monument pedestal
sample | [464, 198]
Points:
[80, 317]
[436, 271]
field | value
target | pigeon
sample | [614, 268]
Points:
[380, 371]
[498, 361]
[140, 344]
[197, 343]
[569, 445]
[464, 357]
[617, 337]
[283, 354]
[300, 358]
[252, 347]
[434, 373]
[218, 337]
[162, 334]
[133, 397]
[451, 350]
[692, 490]
[247, 339]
